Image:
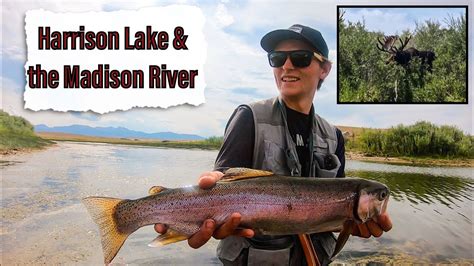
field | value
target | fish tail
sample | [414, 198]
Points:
[102, 210]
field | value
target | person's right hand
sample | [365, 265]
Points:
[373, 227]
[209, 228]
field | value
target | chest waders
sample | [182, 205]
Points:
[275, 150]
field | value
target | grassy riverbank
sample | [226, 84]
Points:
[405, 160]
[420, 144]
[421, 140]
[16, 134]
[213, 143]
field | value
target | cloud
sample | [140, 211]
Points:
[222, 17]
[86, 115]
[387, 21]
[396, 20]
[13, 24]
[256, 15]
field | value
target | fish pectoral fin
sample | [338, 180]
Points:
[170, 237]
[343, 237]
[156, 189]
[233, 174]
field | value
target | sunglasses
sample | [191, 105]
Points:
[299, 58]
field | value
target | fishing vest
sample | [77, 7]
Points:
[275, 150]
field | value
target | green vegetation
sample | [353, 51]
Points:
[422, 139]
[17, 133]
[364, 75]
[422, 143]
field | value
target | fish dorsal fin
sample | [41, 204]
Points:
[233, 174]
[156, 189]
[343, 236]
[170, 237]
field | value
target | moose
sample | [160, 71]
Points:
[403, 57]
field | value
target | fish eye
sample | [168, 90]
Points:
[382, 195]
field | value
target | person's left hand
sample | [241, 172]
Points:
[374, 227]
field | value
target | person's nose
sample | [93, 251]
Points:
[288, 64]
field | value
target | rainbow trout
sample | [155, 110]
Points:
[269, 204]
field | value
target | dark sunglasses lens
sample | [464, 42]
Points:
[277, 59]
[301, 58]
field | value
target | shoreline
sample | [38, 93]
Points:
[411, 161]
[350, 154]
[27, 150]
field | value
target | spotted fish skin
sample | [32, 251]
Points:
[272, 205]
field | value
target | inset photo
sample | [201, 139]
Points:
[402, 54]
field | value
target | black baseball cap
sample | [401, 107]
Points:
[296, 32]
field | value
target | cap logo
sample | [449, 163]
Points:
[296, 29]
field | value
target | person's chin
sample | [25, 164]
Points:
[289, 92]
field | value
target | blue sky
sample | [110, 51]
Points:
[236, 68]
[394, 20]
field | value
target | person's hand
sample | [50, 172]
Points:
[374, 227]
[208, 228]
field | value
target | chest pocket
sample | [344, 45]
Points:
[275, 159]
[325, 163]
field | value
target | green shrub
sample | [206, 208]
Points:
[17, 133]
[15, 124]
[420, 139]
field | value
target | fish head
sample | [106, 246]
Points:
[373, 199]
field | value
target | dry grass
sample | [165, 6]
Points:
[190, 144]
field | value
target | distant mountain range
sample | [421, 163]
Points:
[115, 132]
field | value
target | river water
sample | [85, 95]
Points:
[43, 220]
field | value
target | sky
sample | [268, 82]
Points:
[236, 67]
[393, 21]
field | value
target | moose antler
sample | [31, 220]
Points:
[403, 43]
[387, 44]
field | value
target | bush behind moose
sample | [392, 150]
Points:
[365, 76]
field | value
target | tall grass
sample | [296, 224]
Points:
[422, 139]
[17, 133]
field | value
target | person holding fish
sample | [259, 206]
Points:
[259, 200]
[283, 135]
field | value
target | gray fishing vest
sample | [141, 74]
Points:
[275, 150]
